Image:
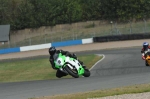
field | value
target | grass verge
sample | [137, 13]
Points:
[35, 69]
[102, 93]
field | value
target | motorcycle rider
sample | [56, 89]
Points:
[145, 48]
[52, 51]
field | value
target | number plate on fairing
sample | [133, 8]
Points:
[59, 62]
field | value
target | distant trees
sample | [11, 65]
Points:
[126, 9]
[22, 14]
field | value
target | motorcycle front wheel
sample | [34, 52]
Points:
[71, 72]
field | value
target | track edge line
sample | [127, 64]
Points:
[98, 61]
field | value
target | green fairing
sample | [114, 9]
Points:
[63, 57]
[81, 71]
[71, 58]
[56, 65]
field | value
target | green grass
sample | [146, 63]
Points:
[37, 69]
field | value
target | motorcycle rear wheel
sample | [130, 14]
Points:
[146, 63]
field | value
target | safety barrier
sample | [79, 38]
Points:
[121, 37]
[77, 42]
[9, 50]
[48, 45]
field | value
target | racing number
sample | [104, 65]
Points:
[59, 61]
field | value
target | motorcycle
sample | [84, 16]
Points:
[147, 58]
[70, 66]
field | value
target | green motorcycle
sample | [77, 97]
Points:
[70, 66]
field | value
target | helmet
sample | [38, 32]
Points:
[145, 45]
[52, 50]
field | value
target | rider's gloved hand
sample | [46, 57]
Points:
[143, 57]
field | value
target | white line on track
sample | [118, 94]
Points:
[98, 61]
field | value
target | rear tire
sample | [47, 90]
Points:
[60, 74]
[86, 73]
[70, 72]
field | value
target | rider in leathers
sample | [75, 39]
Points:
[52, 51]
[145, 48]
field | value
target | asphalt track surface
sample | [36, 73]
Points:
[121, 67]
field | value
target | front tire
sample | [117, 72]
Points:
[70, 72]
[146, 63]
[86, 73]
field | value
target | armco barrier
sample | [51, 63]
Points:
[48, 45]
[77, 42]
[35, 47]
[121, 37]
[67, 43]
[87, 41]
[9, 50]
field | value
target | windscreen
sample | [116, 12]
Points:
[55, 56]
